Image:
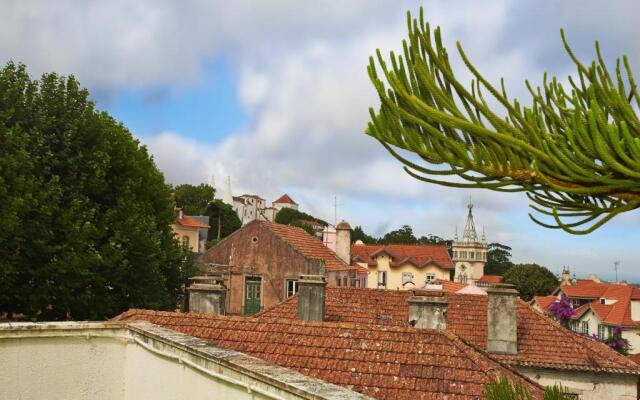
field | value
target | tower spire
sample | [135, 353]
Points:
[470, 233]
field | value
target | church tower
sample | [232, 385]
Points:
[469, 253]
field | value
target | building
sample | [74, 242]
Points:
[261, 263]
[284, 201]
[510, 330]
[402, 266]
[192, 231]
[599, 307]
[469, 253]
[384, 360]
[138, 360]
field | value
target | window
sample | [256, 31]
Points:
[584, 328]
[338, 281]
[574, 326]
[603, 300]
[472, 255]
[185, 242]
[604, 332]
[345, 281]
[575, 303]
[355, 282]
[291, 287]
[462, 278]
[407, 277]
[382, 279]
[430, 278]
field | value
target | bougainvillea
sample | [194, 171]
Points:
[562, 310]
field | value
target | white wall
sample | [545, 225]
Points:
[589, 385]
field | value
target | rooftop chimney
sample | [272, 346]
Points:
[207, 295]
[343, 241]
[311, 290]
[502, 316]
[180, 214]
[428, 309]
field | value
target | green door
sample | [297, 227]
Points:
[252, 295]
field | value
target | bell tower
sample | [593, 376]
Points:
[470, 252]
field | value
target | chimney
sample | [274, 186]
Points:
[502, 316]
[207, 295]
[343, 241]
[180, 213]
[566, 276]
[311, 290]
[428, 309]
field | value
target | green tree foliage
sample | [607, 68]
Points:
[575, 151]
[222, 220]
[403, 235]
[498, 259]
[288, 215]
[531, 280]
[193, 200]
[308, 228]
[84, 212]
[358, 233]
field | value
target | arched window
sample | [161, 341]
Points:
[185, 241]
[462, 278]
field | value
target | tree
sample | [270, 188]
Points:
[403, 235]
[222, 220]
[308, 228]
[84, 212]
[498, 259]
[358, 233]
[193, 200]
[503, 389]
[531, 280]
[575, 151]
[288, 215]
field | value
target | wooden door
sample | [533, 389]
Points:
[252, 294]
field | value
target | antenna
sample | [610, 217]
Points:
[615, 267]
[335, 210]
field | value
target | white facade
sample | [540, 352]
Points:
[469, 254]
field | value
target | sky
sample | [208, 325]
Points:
[275, 95]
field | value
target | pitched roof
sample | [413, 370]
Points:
[307, 245]
[285, 199]
[618, 313]
[541, 341]
[545, 301]
[490, 279]
[191, 222]
[417, 254]
[379, 361]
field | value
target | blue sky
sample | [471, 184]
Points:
[275, 95]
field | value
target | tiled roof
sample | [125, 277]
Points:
[545, 301]
[307, 245]
[191, 222]
[490, 279]
[418, 254]
[285, 199]
[635, 358]
[383, 362]
[541, 341]
[618, 313]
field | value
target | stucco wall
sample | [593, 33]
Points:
[631, 334]
[192, 233]
[255, 251]
[394, 274]
[589, 385]
[98, 361]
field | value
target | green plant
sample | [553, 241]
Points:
[575, 152]
[503, 389]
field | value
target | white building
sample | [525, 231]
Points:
[470, 253]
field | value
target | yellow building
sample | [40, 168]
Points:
[402, 266]
[191, 231]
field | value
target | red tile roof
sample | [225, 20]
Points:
[490, 279]
[307, 245]
[383, 362]
[545, 301]
[417, 254]
[285, 199]
[635, 358]
[190, 222]
[618, 313]
[541, 341]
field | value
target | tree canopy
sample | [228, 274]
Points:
[575, 150]
[222, 220]
[358, 233]
[402, 235]
[84, 212]
[193, 200]
[531, 280]
[498, 259]
[288, 215]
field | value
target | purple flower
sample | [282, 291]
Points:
[561, 309]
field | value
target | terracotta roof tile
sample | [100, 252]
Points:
[285, 199]
[307, 245]
[384, 362]
[618, 313]
[541, 341]
[545, 301]
[490, 279]
[191, 222]
[418, 254]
